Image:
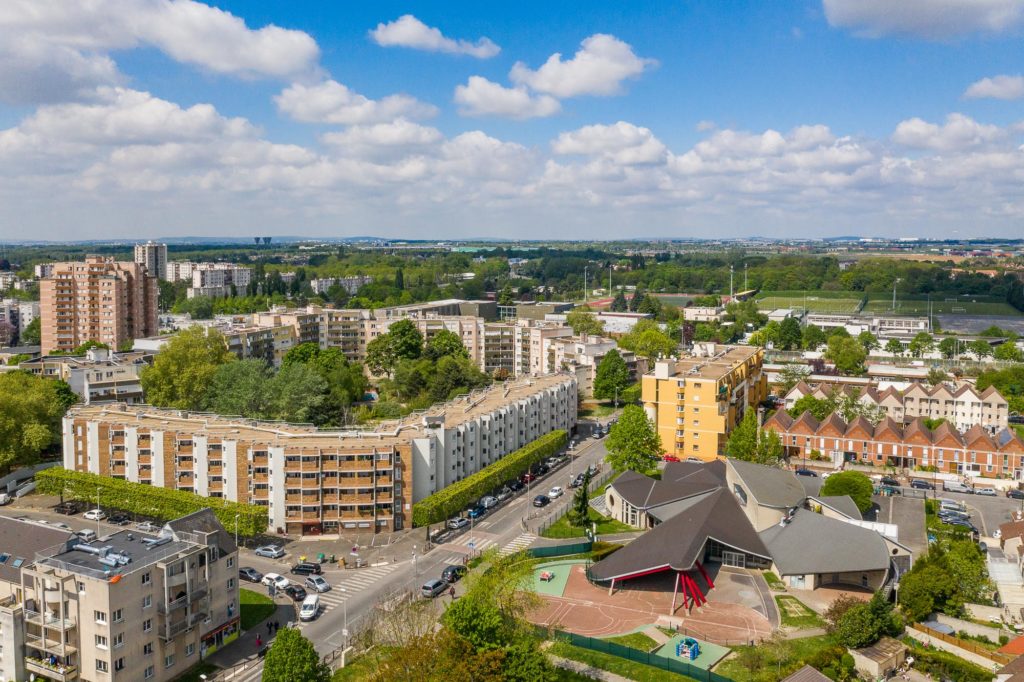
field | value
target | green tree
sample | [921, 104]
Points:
[922, 343]
[583, 321]
[928, 587]
[790, 334]
[31, 408]
[969, 568]
[402, 341]
[853, 483]
[17, 359]
[296, 394]
[612, 376]
[636, 299]
[579, 512]
[1009, 352]
[846, 354]
[619, 304]
[647, 340]
[506, 297]
[980, 348]
[444, 343]
[791, 375]
[453, 375]
[240, 388]
[864, 624]
[1009, 382]
[182, 371]
[751, 443]
[948, 347]
[346, 382]
[633, 443]
[399, 279]
[291, 658]
[31, 335]
[894, 346]
[868, 341]
[813, 337]
[936, 376]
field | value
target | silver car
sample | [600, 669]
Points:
[317, 583]
[489, 502]
[270, 551]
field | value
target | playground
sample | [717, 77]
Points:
[693, 651]
[573, 603]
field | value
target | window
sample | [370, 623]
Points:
[147, 625]
[168, 660]
[119, 664]
[147, 648]
[149, 673]
[190, 649]
[231, 562]
[18, 561]
[231, 583]
[118, 616]
[4, 557]
[101, 617]
[146, 579]
[101, 666]
[119, 640]
[147, 601]
[101, 642]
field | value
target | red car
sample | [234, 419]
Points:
[670, 458]
[528, 477]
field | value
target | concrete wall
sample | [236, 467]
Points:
[971, 628]
[974, 658]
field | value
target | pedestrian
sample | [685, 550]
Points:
[259, 642]
[451, 592]
[269, 625]
[277, 625]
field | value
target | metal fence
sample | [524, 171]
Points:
[561, 510]
[637, 656]
[560, 550]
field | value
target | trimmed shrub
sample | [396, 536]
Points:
[947, 666]
[142, 499]
[449, 501]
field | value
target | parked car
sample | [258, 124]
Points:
[317, 583]
[889, 480]
[504, 494]
[278, 581]
[476, 512]
[669, 458]
[250, 574]
[270, 551]
[310, 607]
[543, 469]
[964, 524]
[528, 477]
[951, 487]
[889, 490]
[515, 486]
[805, 472]
[451, 574]
[541, 501]
[921, 485]
[119, 519]
[306, 568]
[86, 534]
[94, 515]
[458, 522]
[296, 592]
[147, 527]
[1015, 494]
[489, 502]
[555, 492]
[593, 469]
[432, 588]
[68, 508]
[61, 525]
[577, 481]
[5, 499]
[986, 492]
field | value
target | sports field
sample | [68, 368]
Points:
[814, 301]
[880, 303]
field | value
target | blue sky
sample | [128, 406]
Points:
[814, 117]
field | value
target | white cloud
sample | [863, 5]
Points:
[996, 87]
[958, 133]
[481, 97]
[408, 31]
[597, 68]
[400, 133]
[332, 102]
[622, 143]
[931, 19]
[50, 46]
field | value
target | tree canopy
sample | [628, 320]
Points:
[751, 443]
[846, 354]
[182, 371]
[31, 409]
[853, 483]
[402, 341]
[291, 658]
[612, 376]
[583, 321]
[633, 443]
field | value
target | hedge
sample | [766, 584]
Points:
[449, 501]
[165, 504]
[944, 664]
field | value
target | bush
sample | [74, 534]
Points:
[947, 666]
[141, 499]
[852, 483]
[601, 550]
[444, 503]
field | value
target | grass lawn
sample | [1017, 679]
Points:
[940, 305]
[255, 608]
[773, 580]
[364, 666]
[639, 672]
[796, 614]
[785, 659]
[590, 409]
[192, 675]
[634, 640]
[562, 529]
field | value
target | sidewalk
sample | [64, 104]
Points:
[244, 648]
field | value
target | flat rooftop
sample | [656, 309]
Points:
[127, 550]
[385, 434]
[725, 359]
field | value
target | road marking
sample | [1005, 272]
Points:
[522, 541]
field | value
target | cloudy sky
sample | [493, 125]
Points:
[690, 118]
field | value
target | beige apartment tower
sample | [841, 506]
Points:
[101, 300]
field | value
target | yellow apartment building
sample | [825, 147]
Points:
[696, 401]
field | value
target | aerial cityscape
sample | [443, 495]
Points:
[557, 342]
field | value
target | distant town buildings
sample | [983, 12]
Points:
[100, 299]
[153, 257]
[319, 481]
[704, 314]
[42, 270]
[98, 376]
[216, 280]
[351, 285]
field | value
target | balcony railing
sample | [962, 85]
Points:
[49, 620]
[59, 672]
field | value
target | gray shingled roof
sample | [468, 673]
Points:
[807, 674]
[843, 504]
[771, 487]
[812, 543]
[679, 480]
[205, 521]
[679, 542]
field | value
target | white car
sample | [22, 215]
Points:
[278, 581]
[94, 515]
[555, 492]
[310, 607]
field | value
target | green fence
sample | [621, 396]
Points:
[662, 663]
[560, 550]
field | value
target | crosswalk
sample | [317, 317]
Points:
[473, 541]
[521, 542]
[253, 673]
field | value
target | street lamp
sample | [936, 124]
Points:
[97, 509]
[415, 567]
[344, 605]
[236, 530]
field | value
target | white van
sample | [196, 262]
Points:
[310, 607]
[951, 487]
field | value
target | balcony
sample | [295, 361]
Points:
[48, 644]
[310, 466]
[49, 620]
[59, 672]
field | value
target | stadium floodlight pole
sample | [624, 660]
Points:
[585, 269]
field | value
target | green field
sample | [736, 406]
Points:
[941, 305]
[814, 301]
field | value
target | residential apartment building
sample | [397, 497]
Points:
[153, 257]
[99, 376]
[704, 314]
[101, 300]
[315, 481]
[218, 280]
[9, 321]
[960, 404]
[131, 605]
[582, 354]
[974, 452]
[9, 280]
[351, 284]
[695, 402]
[42, 270]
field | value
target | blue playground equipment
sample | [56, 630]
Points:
[688, 647]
